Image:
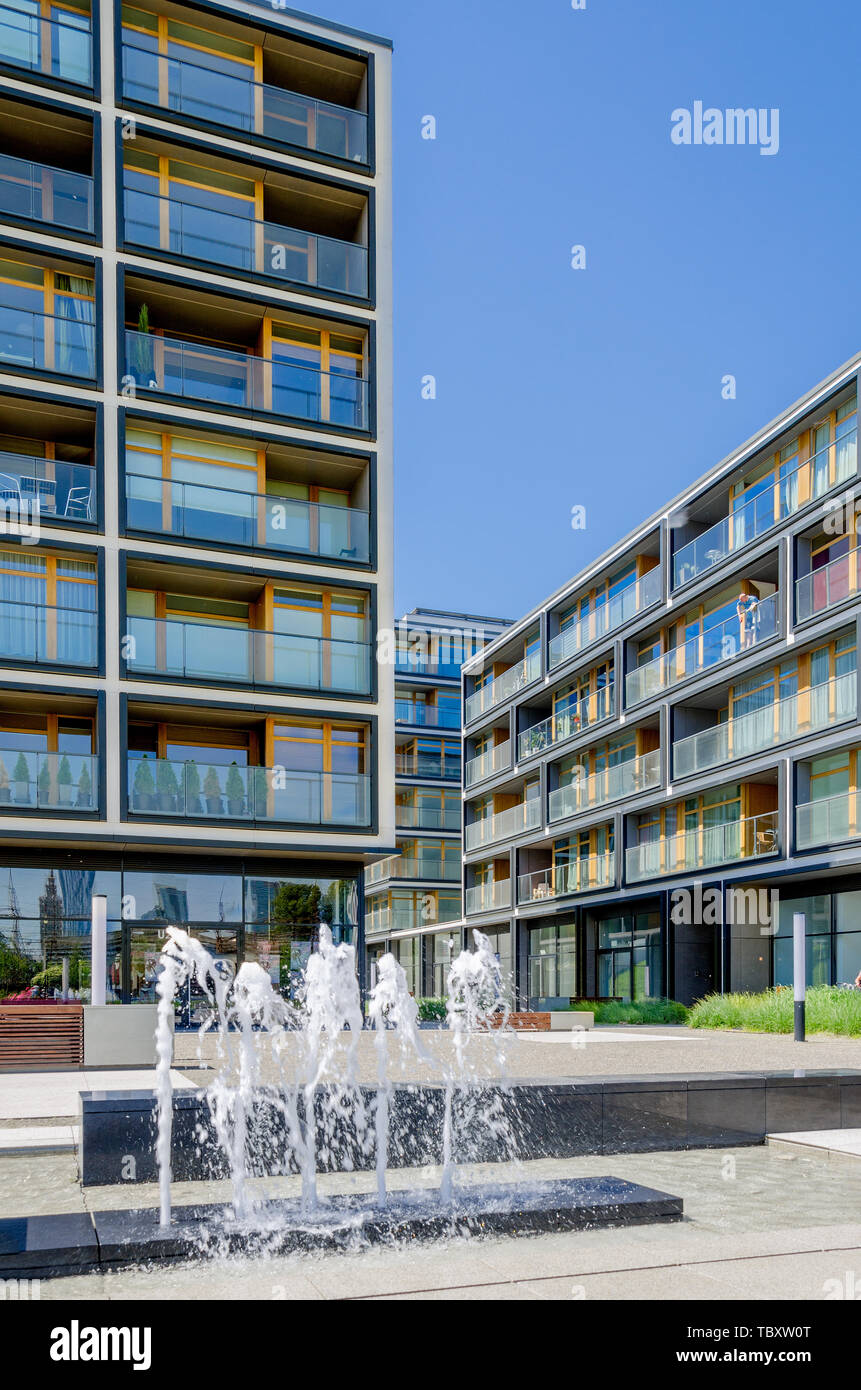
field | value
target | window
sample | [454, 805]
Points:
[47, 319]
[629, 957]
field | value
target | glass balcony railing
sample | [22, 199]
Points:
[222, 376]
[496, 759]
[260, 521]
[486, 897]
[426, 716]
[828, 821]
[215, 652]
[704, 848]
[568, 723]
[29, 338]
[38, 632]
[232, 242]
[48, 781]
[505, 824]
[619, 609]
[828, 586]
[397, 867]
[402, 919]
[199, 91]
[413, 663]
[428, 817]
[837, 461]
[65, 491]
[815, 708]
[166, 787]
[427, 765]
[502, 687]
[41, 193]
[61, 47]
[723, 642]
[580, 876]
[623, 779]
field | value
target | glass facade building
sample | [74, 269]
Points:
[196, 480]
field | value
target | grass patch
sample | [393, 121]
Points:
[640, 1011]
[829, 1010]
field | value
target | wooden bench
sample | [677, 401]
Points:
[41, 1036]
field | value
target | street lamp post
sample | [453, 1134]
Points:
[799, 956]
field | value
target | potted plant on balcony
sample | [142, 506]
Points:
[21, 778]
[167, 785]
[64, 782]
[193, 805]
[144, 787]
[212, 793]
[85, 788]
[5, 789]
[43, 784]
[235, 789]
[143, 359]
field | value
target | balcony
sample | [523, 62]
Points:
[233, 379]
[819, 707]
[766, 510]
[48, 781]
[486, 897]
[256, 108]
[502, 687]
[237, 243]
[426, 716]
[261, 796]
[567, 723]
[66, 492]
[43, 634]
[829, 586]
[59, 48]
[623, 779]
[44, 342]
[497, 759]
[829, 821]
[414, 664]
[613, 614]
[704, 848]
[505, 824]
[421, 764]
[258, 521]
[428, 817]
[41, 193]
[402, 919]
[397, 867]
[719, 644]
[580, 876]
[212, 652]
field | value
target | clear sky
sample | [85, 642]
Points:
[601, 386]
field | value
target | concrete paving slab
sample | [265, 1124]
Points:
[49, 1094]
[835, 1143]
[29, 1139]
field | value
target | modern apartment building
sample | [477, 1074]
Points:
[413, 899]
[673, 737]
[195, 386]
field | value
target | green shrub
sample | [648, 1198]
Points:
[431, 1010]
[639, 1011]
[829, 1010]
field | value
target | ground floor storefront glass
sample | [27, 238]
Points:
[833, 923]
[241, 913]
[552, 962]
[629, 957]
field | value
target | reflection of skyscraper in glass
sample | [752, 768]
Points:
[76, 891]
[171, 904]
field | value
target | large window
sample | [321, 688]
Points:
[629, 957]
[833, 924]
[553, 961]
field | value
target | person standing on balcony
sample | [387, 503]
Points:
[746, 609]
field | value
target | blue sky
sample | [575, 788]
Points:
[600, 387]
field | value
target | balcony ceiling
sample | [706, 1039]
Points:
[47, 420]
[48, 137]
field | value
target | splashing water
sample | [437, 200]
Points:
[321, 1104]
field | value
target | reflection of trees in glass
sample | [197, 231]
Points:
[16, 968]
[293, 905]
